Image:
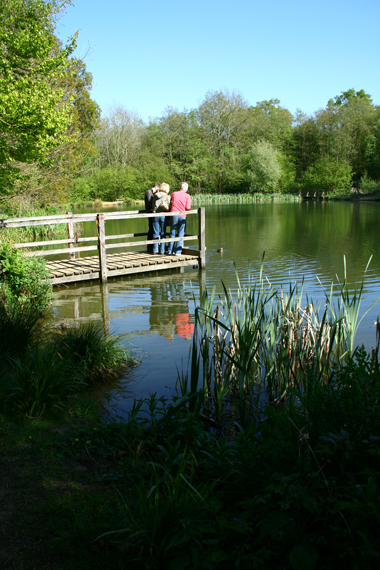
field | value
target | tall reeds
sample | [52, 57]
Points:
[261, 345]
[242, 198]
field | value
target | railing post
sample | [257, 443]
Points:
[202, 238]
[100, 226]
[70, 235]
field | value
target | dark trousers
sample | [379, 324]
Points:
[149, 247]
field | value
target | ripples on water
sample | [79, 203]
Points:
[301, 242]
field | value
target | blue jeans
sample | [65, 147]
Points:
[159, 231]
[177, 226]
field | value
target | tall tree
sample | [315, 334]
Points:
[273, 123]
[39, 86]
[222, 118]
[119, 137]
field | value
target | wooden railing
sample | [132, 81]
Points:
[74, 240]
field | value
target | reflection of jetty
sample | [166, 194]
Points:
[168, 295]
[106, 265]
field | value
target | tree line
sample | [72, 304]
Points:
[54, 143]
[227, 145]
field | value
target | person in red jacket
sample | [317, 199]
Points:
[180, 202]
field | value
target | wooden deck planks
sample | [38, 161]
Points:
[128, 263]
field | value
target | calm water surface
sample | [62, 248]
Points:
[156, 311]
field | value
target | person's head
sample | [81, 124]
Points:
[156, 187]
[165, 188]
[184, 186]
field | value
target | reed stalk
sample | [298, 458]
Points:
[261, 345]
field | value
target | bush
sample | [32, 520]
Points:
[23, 282]
[368, 185]
[93, 354]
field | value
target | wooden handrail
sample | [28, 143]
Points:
[101, 238]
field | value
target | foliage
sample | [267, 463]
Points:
[328, 174]
[19, 327]
[47, 370]
[262, 344]
[33, 120]
[23, 281]
[45, 108]
[296, 488]
[94, 355]
[39, 380]
[262, 167]
[109, 183]
[368, 185]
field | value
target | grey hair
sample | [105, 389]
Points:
[184, 186]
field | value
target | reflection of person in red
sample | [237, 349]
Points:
[183, 327]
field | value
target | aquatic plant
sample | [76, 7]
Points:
[197, 199]
[263, 345]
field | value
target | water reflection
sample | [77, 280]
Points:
[154, 313]
[169, 312]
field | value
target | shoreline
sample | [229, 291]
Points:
[198, 199]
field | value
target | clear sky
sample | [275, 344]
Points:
[147, 55]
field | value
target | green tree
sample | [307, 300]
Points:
[269, 121]
[222, 117]
[119, 137]
[34, 109]
[328, 174]
[46, 113]
[263, 168]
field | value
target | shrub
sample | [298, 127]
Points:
[23, 281]
[93, 354]
[367, 184]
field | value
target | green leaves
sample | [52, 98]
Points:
[37, 98]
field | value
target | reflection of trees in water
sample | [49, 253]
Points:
[169, 311]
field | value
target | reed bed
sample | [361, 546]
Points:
[265, 346]
[198, 199]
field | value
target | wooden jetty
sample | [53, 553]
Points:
[105, 265]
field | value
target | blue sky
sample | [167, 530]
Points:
[146, 55]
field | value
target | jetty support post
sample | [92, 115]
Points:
[202, 238]
[100, 226]
[70, 235]
[105, 308]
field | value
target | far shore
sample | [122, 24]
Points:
[241, 198]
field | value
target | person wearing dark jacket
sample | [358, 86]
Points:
[161, 203]
[148, 208]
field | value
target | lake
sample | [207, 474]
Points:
[155, 311]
